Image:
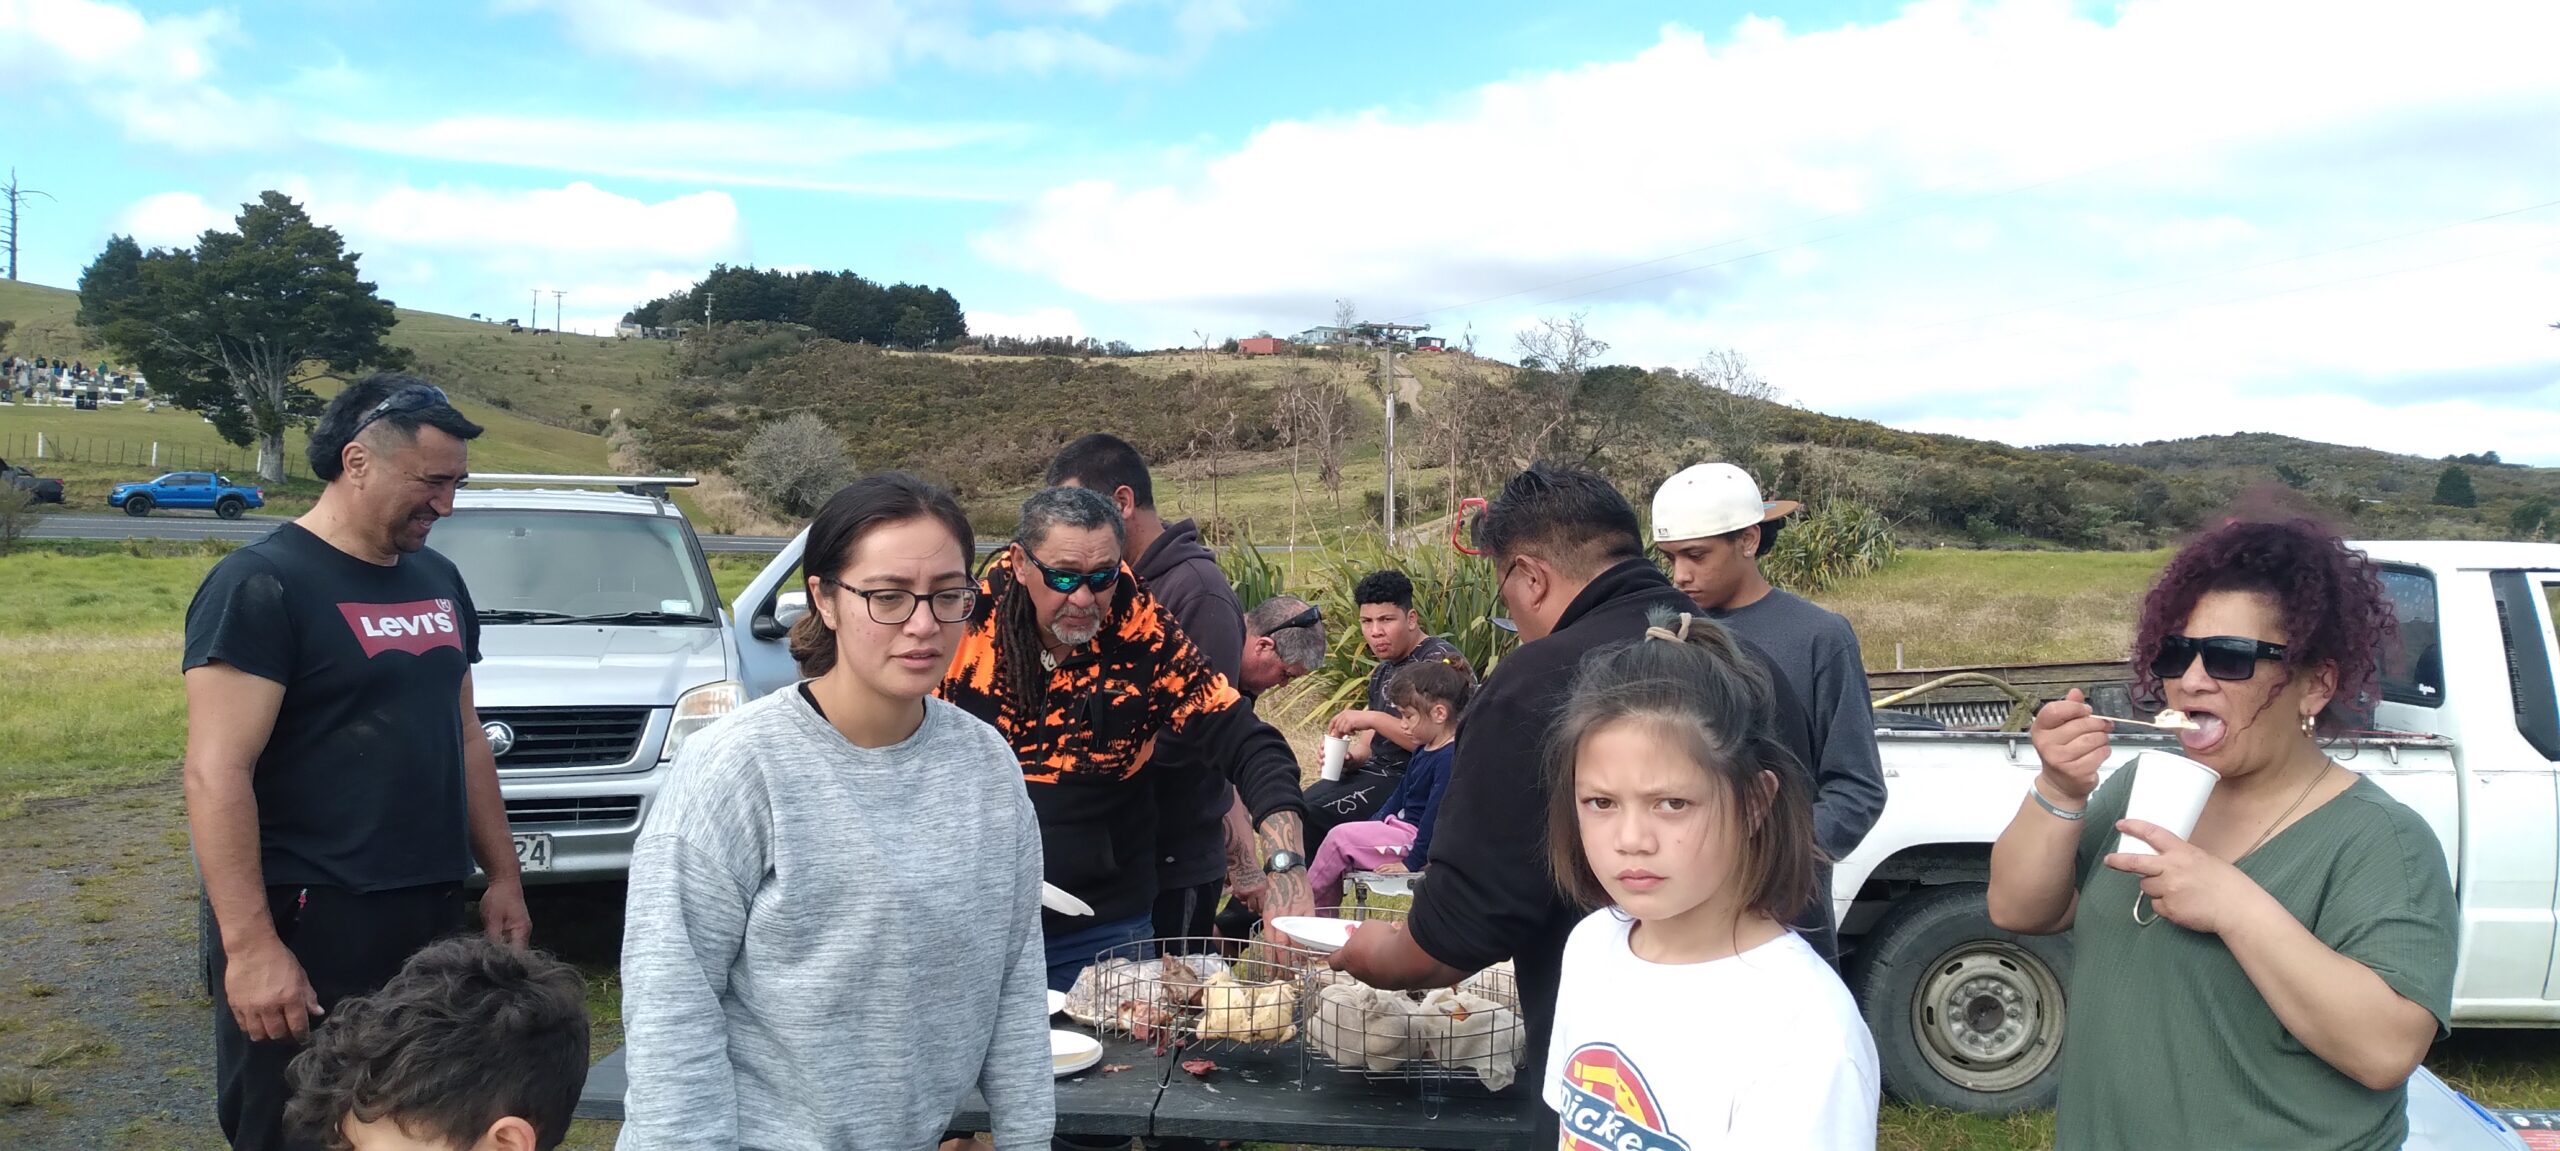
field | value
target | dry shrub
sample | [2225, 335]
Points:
[726, 509]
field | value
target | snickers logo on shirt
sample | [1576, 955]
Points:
[1609, 1107]
[416, 627]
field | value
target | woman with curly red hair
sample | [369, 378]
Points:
[2274, 978]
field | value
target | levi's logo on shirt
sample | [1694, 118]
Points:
[416, 627]
[1609, 1107]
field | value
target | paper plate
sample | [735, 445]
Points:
[1315, 932]
[1072, 1051]
[1057, 1002]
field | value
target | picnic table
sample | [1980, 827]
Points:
[1254, 1094]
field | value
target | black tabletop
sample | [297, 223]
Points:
[1254, 1094]
[1260, 1095]
[1092, 1102]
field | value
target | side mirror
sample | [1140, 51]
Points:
[788, 607]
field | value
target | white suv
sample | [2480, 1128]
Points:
[603, 647]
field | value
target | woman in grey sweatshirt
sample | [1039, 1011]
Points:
[834, 920]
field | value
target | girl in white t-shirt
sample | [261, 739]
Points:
[1689, 1016]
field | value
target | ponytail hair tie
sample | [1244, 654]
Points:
[1668, 635]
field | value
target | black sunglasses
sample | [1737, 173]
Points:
[1308, 618]
[414, 398]
[1064, 582]
[2226, 657]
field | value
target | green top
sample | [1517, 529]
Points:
[2170, 1045]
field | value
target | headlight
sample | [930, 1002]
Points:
[698, 709]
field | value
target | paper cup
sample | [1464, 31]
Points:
[1336, 750]
[2169, 791]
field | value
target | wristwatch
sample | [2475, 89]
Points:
[1283, 861]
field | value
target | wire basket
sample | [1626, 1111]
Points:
[1184, 993]
[1473, 1031]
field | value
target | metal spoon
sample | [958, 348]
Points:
[2186, 725]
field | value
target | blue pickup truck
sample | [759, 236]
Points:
[192, 490]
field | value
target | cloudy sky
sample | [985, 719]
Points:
[2034, 221]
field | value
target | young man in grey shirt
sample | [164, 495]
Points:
[1714, 527]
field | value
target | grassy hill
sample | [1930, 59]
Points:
[94, 450]
[2392, 494]
[547, 397]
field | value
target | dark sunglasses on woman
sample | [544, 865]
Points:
[2231, 658]
[1064, 582]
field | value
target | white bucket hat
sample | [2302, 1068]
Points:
[1711, 500]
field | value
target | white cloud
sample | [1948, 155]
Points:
[1033, 324]
[806, 150]
[469, 249]
[840, 43]
[153, 76]
[172, 220]
[1939, 216]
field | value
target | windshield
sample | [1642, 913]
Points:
[532, 566]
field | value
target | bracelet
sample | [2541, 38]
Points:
[2056, 810]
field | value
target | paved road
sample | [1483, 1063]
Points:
[205, 526]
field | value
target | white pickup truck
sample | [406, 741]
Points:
[1968, 1016]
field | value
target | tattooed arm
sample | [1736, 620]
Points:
[1284, 892]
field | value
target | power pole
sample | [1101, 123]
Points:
[1387, 382]
[533, 319]
[1387, 335]
[16, 195]
[555, 307]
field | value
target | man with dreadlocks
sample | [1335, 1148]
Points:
[1087, 675]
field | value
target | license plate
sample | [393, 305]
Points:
[533, 853]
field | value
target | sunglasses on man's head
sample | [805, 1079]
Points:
[2226, 657]
[1308, 618]
[1065, 582]
[414, 398]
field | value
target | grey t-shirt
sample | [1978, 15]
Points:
[1817, 652]
[828, 945]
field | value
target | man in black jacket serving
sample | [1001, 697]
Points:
[1574, 577]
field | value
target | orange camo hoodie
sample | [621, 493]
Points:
[1095, 728]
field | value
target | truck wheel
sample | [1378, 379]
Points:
[137, 505]
[1965, 1016]
[230, 507]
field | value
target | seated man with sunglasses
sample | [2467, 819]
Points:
[1087, 675]
[2306, 962]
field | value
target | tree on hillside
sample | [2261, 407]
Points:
[2529, 518]
[1737, 408]
[110, 280]
[240, 325]
[794, 464]
[2453, 489]
[1315, 412]
[6, 327]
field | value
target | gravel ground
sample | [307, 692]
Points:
[105, 1037]
[104, 1040]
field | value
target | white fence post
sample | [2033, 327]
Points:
[39, 445]
[155, 454]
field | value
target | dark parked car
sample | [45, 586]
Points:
[45, 490]
[187, 490]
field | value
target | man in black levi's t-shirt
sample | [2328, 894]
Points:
[338, 786]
